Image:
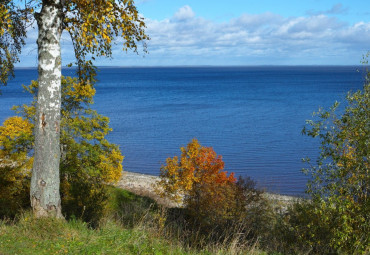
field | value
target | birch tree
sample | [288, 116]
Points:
[93, 26]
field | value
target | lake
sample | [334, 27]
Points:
[252, 116]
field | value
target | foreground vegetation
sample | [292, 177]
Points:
[132, 225]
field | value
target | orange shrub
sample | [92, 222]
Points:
[199, 179]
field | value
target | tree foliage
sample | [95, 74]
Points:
[197, 165]
[340, 182]
[94, 27]
[13, 22]
[89, 161]
[15, 165]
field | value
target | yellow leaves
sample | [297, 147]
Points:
[13, 128]
[111, 166]
[93, 26]
[348, 157]
[81, 90]
[106, 37]
[5, 21]
[15, 165]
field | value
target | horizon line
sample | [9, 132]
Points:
[200, 66]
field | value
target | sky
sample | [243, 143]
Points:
[241, 33]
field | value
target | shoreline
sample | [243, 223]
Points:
[143, 185]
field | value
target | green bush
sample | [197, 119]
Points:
[14, 192]
[340, 182]
[303, 230]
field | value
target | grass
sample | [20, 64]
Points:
[117, 234]
[48, 236]
[133, 225]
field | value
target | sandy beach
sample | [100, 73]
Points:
[143, 185]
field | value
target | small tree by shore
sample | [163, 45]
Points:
[340, 181]
[216, 203]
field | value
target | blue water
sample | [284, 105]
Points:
[252, 116]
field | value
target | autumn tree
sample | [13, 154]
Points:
[93, 26]
[198, 179]
[88, 163]
[215, 203]
[197, 165]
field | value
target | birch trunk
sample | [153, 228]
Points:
[45, 181]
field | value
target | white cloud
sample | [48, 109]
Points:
[184, 13]
[267, 34]
[267, 38]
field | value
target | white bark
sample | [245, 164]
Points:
[45, 182]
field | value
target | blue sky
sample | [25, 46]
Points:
[242, 32]
[222, 11]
